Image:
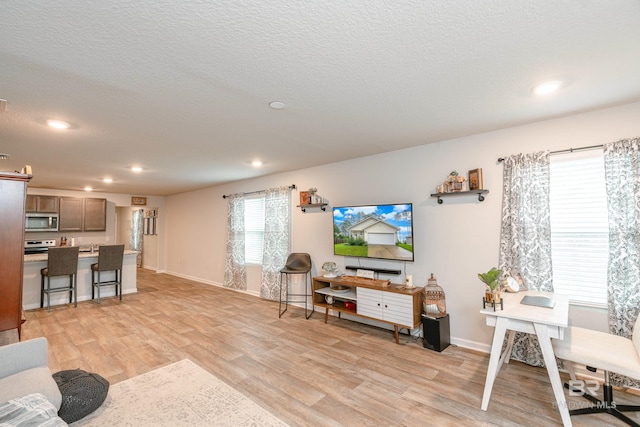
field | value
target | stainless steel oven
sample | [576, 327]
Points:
[38, 246]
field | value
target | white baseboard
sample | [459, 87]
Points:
[212, 283]
[471, 345]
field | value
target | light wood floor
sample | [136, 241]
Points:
[305, 372]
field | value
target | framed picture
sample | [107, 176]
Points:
[475, 179]
[138, 201]
[304, 197]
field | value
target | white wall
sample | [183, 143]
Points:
[455, 240]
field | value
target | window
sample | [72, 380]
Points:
[579, 227]
[253, 229]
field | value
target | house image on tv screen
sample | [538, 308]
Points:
[382, 231]
[374, 232]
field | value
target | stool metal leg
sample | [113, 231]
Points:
[74, 281]
[284, 284]
[119, 284]
[41, 290]
[307, 295]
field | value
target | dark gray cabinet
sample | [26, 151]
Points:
[71, 214]
[44, 204]
[95, 214]
[83, 214]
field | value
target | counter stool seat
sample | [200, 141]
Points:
[109, 259]
[61, 261]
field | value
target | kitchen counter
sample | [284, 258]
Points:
[33, 263]
[88, 254]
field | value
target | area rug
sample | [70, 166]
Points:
[180, 394]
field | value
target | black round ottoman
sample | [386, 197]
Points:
[82, 393]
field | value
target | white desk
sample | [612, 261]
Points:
[546, 323]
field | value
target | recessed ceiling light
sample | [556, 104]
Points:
[546, 88]
[107, 180]
[58, 124]
[136, 169]
[4, 156]
[256, 163]
[276, 105]
[87, 188]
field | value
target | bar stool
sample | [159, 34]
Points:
[297, 263]
[109, 259]
[61, 261]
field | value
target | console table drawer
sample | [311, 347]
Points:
[387, 306]
[369, 303]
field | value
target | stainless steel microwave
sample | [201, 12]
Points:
[41, 222]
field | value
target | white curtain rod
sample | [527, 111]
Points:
[224, 196]
[568, 150]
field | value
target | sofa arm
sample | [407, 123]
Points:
[23, 355]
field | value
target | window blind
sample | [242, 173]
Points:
[579, 227]
[254, 229]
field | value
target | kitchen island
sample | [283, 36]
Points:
[35, 262]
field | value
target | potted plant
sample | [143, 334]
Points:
[331, 268]
[490, 278]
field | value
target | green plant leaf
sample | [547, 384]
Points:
[490, 278]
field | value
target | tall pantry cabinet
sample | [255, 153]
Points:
[13, 193]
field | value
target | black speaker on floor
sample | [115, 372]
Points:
[435, 332]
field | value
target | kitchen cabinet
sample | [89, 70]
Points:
[71, 214]
[13, 188]
[392, 304]
[95, 214]
[78, 214]
[42, 204]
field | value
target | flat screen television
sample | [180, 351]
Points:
[374, 231]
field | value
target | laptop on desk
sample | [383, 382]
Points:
[538, 301]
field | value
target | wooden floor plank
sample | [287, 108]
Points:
[308, 373]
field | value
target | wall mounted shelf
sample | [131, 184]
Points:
[480, 194]
[313, 205]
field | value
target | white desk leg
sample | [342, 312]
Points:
[552, 369]
[494, 366]
[506, 354]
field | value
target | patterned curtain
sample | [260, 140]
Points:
[525, 235]
[235, 270]
[622, 175]
[277, 207]
[137, 238]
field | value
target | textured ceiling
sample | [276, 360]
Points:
[182, 87]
